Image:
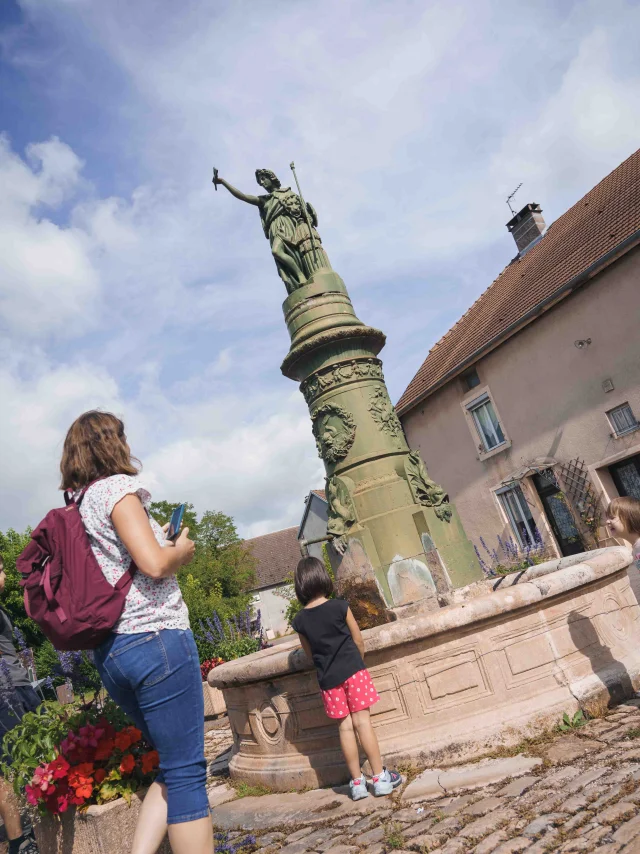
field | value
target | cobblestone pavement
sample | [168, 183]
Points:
[576, 792]
[582, 794]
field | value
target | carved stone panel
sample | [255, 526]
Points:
[341, 510]
[452, 680]
[424, 490]
[337, 374]
[392, 706]
[383, 412]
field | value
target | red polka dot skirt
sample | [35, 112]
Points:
[354, 695]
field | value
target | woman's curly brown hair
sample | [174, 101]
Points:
[95, 447]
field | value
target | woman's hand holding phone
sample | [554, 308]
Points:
[183, 543]
[186, 546]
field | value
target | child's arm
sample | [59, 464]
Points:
[355, 632]
[305, 646]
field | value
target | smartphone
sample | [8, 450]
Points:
[176, 522]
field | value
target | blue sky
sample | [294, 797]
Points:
[127, 283]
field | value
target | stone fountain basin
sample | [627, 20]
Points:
[504, 661]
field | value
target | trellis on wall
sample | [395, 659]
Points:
[582, 494]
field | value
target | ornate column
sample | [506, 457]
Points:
[378, 490]
[381, 499]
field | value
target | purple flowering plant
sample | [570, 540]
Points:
[510, 556]
[233, 637]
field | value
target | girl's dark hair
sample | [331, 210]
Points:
[311, 580]
[94, 447]
[627, 509]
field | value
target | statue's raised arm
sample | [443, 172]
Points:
[244, 197]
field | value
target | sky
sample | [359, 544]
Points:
[128, 284]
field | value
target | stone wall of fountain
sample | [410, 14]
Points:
[507, 659]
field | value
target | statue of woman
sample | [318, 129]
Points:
[279, 224]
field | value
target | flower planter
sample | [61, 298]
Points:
[214, 704]
[109, 827]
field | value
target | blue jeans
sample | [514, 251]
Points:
[155, 678]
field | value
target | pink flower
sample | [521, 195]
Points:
[43, 779]
[32, 795]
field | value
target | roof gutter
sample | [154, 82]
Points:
[574, 283]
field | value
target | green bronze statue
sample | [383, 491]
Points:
[295, 244]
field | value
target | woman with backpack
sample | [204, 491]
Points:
[149, 662]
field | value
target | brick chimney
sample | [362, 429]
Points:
[527, 226]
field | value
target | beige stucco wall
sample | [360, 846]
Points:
[549, 398]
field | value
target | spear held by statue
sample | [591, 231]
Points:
[306, 213]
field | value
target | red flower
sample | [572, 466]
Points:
[122, 741]
[63, 803]
[84, 770]
[59, 767]
[85, 790]
[105, 748]
[150, 761]
[100, 775]
[134, 733]
[81, 780]
[128, 763]
[127, 737]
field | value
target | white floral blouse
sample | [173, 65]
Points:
[152, 604]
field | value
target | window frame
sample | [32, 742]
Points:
[521, 498]
[466, 404]
[610, 416]
[484, 400]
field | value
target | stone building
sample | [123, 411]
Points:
[527, 409]
[277, 555]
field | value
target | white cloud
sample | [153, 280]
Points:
[258, 472]
[587, 126]
[37, 410]
[47, 279]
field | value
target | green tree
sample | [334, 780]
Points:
[11, 544]
[222, 561]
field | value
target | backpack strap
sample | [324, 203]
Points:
[68, 493]
[126, 579]
[45, 582]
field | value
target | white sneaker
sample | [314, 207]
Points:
[358, 789]
[385, 783]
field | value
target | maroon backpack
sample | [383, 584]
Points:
[65, 591]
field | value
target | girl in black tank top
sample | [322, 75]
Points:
[331, 638]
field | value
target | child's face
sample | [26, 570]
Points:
[615, 527]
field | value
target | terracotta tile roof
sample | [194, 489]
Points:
[277, 555]
[319, 493]
[594, 226]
